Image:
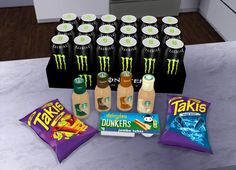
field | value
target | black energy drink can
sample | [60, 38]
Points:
[90, 19]
[87, 29]
[67, 29]
[83, 57]
[128, 31]
[61, 56]
[105, 55]
[171, 32]
[149, 32]
[150, 56]
[129, 20]
[127, 55]
[108, 30]
[109, 19]
[148, 20]
[168, 21]
[173, 57]
[70, 18]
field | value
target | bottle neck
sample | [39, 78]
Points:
[147, 86]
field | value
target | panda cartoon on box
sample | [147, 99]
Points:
[148, 119]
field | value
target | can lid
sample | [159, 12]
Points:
[69, 17]
[65, 27]
[128, 19]
[148, 19]
[148, 82]
[88, 17]
[102, 79]
[107, 29]
[150, 30]
[174, 43]
[82, 40]
[79, 85]
[170, 20]
[105, 41]
[151, 42]
[128, 29]
[128, 42]
[85, 28]
[172, 31]
[60, 39]
[108, 18]
[126, 79]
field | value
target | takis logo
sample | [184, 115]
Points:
[87, 78]
[104, 63]
[173, 65]
[127, 63]
[82, 62]
[149, 65]
[60, 61]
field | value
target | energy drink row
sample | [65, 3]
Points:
[83, 47]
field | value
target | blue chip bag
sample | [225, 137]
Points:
[186, 124]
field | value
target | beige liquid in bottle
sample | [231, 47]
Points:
[102, 93]
[125, 92]
[80, 99]
[146, 95]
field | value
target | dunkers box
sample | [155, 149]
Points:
[85, 56]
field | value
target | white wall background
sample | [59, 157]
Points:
[15, 3]
[189, 5]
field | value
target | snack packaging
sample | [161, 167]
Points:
[58, 128]
[186, 124]
[128, 124]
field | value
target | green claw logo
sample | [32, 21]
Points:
[173, 65]
[60, 61]
[127, 63]
[104, 63]
[149, 65]
[87, 79]
[82, 62]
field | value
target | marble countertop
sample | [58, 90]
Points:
[211, 76]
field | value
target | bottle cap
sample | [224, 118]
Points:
[148, 19]
[108, 18]
[151, 42]
[107, 29]
[150, 30]
[82, 40]
[126, 79]
[88, 17]
[172, 31]
[148, 82]
[105, 41]
[102, 79]
[69, 17]
[85, 28]
[60, 39]
[65, 27]
[79, 85]
[128, 42]
[175, 43]
[128, 29]
[170, 20]
[128, 19]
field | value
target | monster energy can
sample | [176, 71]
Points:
[129, 31]
[171, 32]
[150, 56]
[61, 53]
[70, 18]
[129, 20]
[109, 19]
[173, 57]
[149, 31]
[105, 55]
[83, 54]
[107, 30]
[90, 19]
[127, 54]
[87, 29]
[168, 22]
[66, 29]
[149, 21]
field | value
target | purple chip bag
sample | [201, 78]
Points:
[58, 128]
[186, 124]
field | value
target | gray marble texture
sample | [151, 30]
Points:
[211, 76]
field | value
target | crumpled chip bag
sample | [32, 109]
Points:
[186, 124]
[58, 128]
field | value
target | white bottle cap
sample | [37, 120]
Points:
[107, 29]
[150, 30]
[148, 19]
[85, 28]
[88, 17]
[108, 18]
[128, 42]
[172, 31]
[128, 19]
[65, 27]
[82, 40]
[148, 82]
[60, 39]
[128, 29]
[69, 17]
[170, 20]
[105, 41]
[151, 42]
[175, 43]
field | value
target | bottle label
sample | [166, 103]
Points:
[80, 109]
[102, 103]
[126, 102]
[144, 106]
